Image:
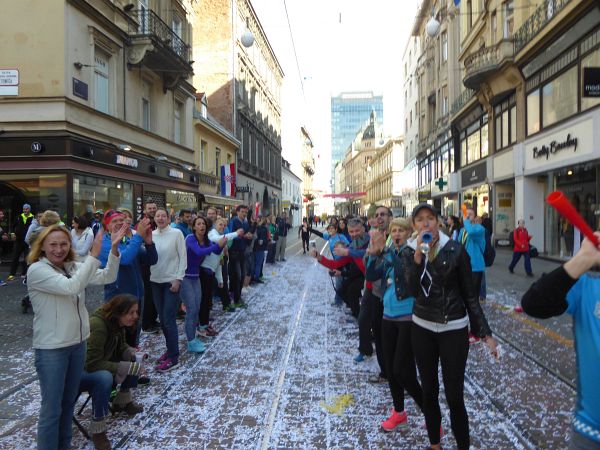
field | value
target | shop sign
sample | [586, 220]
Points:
[474, 175]
[554, 147]
[80, 89]
[126, 161]
[424, 195]
[591, 81]
[37, 147]
[9, 82]
[242, 189]
[176, 173]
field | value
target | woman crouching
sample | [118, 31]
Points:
[110, 362]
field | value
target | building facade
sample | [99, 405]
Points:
[308, 171]
[242, 85]
[525, 120]
[349, 112]
[291, 194]
[215, 151]
[99, 114]
[384, 176]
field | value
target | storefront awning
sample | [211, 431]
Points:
[223, 201]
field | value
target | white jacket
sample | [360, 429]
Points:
[213, 261]
[82, 243]
[172, 255]
[60, 317]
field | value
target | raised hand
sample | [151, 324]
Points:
[97, 244]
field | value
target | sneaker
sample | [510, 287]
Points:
[202, 332]
[283, 259]
[361, 357]
[395, 420]
[2, 283]
[518, 309]
[240, 304]
[143, 380]
[196, 346]
[167, 365]
[510, 270]
[377, 379]
[211, 332]
[154, 329]
[10, 278]
[473, 339]
[229, 308]
[162, 358]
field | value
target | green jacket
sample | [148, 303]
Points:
[107, 348]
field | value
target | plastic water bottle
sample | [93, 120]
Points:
[425, 241]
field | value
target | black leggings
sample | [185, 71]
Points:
[400, 362]
[452, 348]
[369, 328]
[207, 280]
[305, 241]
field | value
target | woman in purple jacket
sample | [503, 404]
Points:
[198, 247]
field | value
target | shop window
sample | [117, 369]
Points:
[591, 60]
[559, 98]
[533, 112]
[473, 147]
[93, 193]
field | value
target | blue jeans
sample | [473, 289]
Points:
[59, 371]
[515, 259]
[166, 306]
[190, 295]
[100, 384]
[338, 286]
[259, 257]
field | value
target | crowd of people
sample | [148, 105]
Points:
[152, 272]
[413, 284]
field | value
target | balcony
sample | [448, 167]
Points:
[486, 61]
[536, 22]
[461, 101]
[155, 45]
[308, 168]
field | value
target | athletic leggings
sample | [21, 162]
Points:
[400, 362]
[207, 280]
[452, 349]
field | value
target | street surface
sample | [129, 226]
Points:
[280, 375]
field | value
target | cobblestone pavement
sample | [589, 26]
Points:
[281, 375]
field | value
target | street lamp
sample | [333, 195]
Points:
[247, 38]
[433, 26]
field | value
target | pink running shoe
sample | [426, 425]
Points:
[395, 420]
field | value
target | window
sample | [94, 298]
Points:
[559, 97]
[203, 150]
[474, 142]
[146, 106]
[203, 108]
[445, 104]
[509, 20]
[177, 26]
[177, 113]
[228, 158]
[101, 81]
[505, 123]
[494, 26]
[444, 52]
[533, 112]
[469, 15]
[591, 60]
[217, 161]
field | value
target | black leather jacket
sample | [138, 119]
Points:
[452, 293]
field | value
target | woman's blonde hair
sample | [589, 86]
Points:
[400, 222]
[49, 217]
[36, 251]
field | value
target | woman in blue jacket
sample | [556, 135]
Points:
[385, 264]
[260, 247]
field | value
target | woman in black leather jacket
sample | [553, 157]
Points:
[445, 303]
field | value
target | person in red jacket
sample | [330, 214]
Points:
[521, 248]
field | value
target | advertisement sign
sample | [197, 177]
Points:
[9, 82]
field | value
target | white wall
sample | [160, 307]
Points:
[529, 205]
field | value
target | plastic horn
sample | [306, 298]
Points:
[559, 201]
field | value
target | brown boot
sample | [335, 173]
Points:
[98, 432]
[124, 402]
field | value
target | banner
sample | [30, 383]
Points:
[228, 180]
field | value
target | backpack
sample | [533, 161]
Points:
[489, 254]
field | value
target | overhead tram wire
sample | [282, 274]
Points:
[294, 47]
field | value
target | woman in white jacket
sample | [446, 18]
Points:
[166, 276]
[56, 285]
[82, 237]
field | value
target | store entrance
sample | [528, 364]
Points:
[11, 203]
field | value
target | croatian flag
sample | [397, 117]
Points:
[228, 180]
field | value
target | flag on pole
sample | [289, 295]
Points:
[228, 180]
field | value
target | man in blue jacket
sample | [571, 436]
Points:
[237, 270]
[134, 250]
[282, 230]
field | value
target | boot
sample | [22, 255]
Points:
[98, 432]
[124, 402]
